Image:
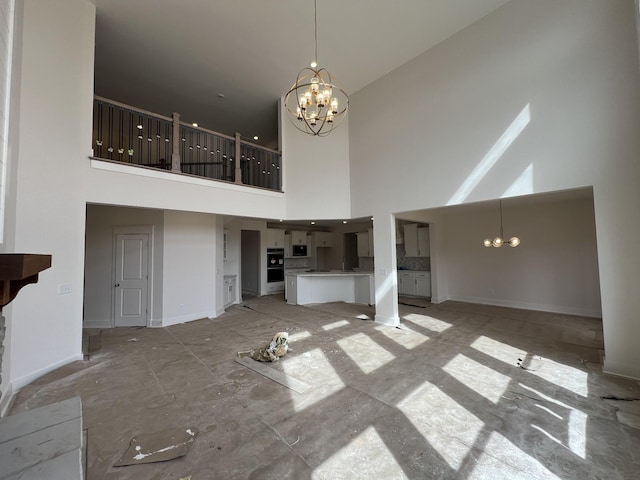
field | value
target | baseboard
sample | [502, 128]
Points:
[97, 324]
[391, 321]
[167, 322]
[6, 401]
[539, 307]
[17, 384]
[621, 369]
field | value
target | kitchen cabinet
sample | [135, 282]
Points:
[298, 237]
[416, 240]
[275, 238]
[323, 239]
[365, 243]
[230, 289]
[414, 283]
[287, 246]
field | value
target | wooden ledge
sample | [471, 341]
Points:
[18, 270]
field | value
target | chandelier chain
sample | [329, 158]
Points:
[315, 29]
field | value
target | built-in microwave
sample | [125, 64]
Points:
[299, 250]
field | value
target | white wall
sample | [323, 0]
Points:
[191, 273]
[536, 97]
[99, 249]
[119, 184]
[554, 269]
[316, 172]
[52, 137]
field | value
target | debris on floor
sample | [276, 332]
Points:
[157, 447]
[271, 351]
[530, 362]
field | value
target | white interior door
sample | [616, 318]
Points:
[131, 284]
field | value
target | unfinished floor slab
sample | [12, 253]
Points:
[458, 391]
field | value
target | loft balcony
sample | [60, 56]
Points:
[128, 135]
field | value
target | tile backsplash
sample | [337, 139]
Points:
[411, 263]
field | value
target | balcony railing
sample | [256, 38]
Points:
[129, 135]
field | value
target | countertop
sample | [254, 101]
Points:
[328, 274]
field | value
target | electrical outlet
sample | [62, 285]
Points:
[64, 288]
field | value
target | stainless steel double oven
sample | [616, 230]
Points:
[275, 265]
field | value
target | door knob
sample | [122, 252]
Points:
[117, 285]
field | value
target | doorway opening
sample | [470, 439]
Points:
[250, 262]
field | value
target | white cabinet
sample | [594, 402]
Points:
[365, 243]
[423, 284]
[406, 283]
[414, 283]
[323, 239]
[230, 289]
[416, 240]
[275, 238]
[287, 246]
[298, 237]
[423, 242]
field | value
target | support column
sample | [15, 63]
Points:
[175, 155]
[384, 246]
[237, 160]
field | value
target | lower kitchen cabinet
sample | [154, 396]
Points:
[230, 289]
[414, 283]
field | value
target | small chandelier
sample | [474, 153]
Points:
[316, 102]
[499, 240]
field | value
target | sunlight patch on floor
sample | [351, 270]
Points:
[362, 457]
[498, 350]
[573, 422]
[331, 326]
[569, 378]
[428, 322]
[366, 353]
[294, 337]
[578, 433]
[404, 336]
[314, 368]
[479, 378]
[448, 427]
[500, 448]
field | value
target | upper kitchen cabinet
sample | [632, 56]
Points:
[416, 240]
[365, 243]
[287, 245]
[298, 237]
[275, 238]
[323, 239]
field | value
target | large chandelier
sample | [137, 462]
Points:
[316, 102]
[499, 240]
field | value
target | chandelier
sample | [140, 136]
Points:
[316, 102]
[499, 240]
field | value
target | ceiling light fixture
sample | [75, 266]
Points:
[316, 102]
[499, 240]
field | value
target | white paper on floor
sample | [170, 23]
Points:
[158, 447]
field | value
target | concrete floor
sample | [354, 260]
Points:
[460, 391]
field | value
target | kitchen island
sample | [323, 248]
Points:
[303, 288]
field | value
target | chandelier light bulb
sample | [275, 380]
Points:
[499, 241]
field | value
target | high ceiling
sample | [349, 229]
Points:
[178, 55]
